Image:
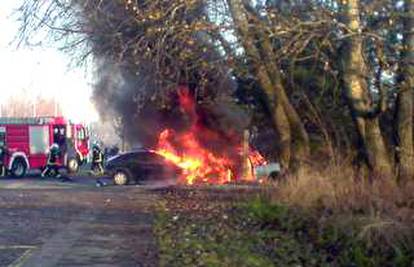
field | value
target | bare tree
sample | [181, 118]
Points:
[20, 106]
[355, 76]
[405, 97]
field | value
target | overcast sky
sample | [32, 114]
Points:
[41, 71]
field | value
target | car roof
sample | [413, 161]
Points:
[139, 151]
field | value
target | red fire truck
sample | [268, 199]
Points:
[28, 141]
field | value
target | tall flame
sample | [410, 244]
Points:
[200, 164]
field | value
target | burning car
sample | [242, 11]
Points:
[139, 166]
[203, 155]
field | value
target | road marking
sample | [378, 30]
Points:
[20, 260]
[38, 185]
[16, 247]
[49, 253]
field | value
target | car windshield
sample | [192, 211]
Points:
[149, 156]
[146, 156]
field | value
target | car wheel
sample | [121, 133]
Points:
[121, 178]
[19, 168]
[73, 165]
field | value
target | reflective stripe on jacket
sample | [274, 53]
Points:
[52, 159]
[97, 157]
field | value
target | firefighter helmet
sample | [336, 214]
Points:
[96, 147]
[54, 148]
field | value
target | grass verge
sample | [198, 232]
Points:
[308, 221]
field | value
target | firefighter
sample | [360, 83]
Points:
[52, 166]
[97, 160]
[97, 164]
[3, 152]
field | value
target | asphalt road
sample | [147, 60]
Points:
[54, 223]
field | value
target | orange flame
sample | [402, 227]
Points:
[199, 164]
[256, 158]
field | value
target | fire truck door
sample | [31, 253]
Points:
[39, 145]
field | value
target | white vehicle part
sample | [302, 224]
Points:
[65, 159]
[75, 144]
[79, 155]
[18, 155]
[68, 131]
[266, 170]
[112, 158]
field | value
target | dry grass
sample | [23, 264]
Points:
[379, 213]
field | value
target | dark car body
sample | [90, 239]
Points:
[142, 165]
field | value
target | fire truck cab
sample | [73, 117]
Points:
[27, 142]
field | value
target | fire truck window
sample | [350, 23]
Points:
[39, 139]
[2, 136]
[81, 134]
[2, 139]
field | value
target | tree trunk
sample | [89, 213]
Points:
[279, 117]
[294, 140]
[354, 80]
[405, 99]
[300, 138]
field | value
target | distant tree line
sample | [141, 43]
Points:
[19, 105]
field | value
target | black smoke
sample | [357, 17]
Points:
[141, 101]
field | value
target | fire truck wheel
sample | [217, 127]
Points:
[19, 168]
[121, 177]
[73, 165]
